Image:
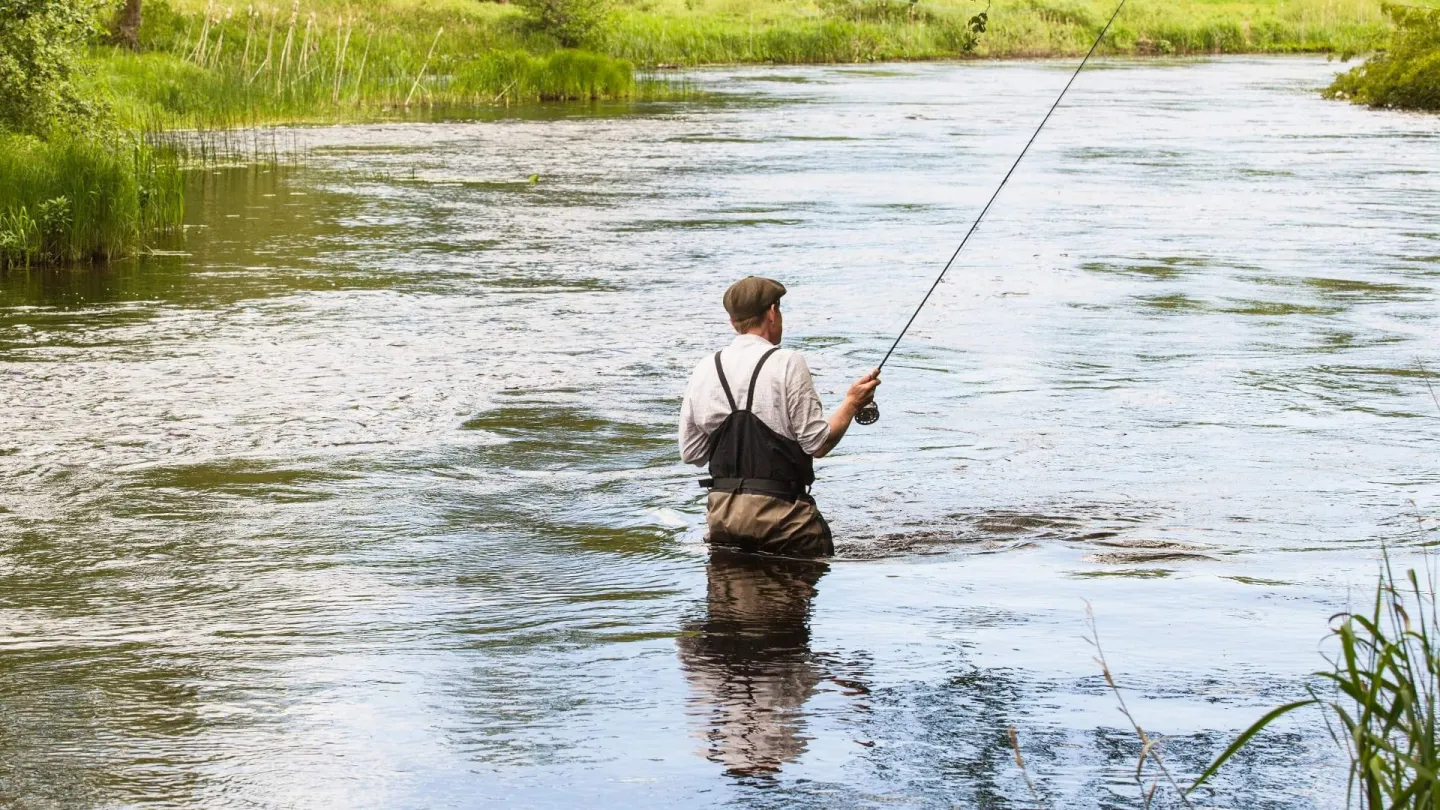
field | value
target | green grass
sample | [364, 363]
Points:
[216, 65]
[264, 64]
[689, 32]
[1407, 74]
[73, 198]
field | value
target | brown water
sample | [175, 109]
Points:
[368, 496]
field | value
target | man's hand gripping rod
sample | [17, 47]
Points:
[870, 413]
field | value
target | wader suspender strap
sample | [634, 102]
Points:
[779, 488]
[725, 384]
[754, 378]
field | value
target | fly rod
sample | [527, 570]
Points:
[870, 414]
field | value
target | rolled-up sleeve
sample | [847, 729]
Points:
[807, 415]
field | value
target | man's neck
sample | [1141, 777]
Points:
[760, 333]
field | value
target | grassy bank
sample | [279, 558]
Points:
[1407, 74]
[688, 32]
[215, 64]
[210, 64]
[224, 67]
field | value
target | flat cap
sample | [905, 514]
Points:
[751, 296]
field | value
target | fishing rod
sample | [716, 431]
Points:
[870, 413]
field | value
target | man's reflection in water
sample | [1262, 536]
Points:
[749, 659]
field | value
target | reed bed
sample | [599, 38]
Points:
[228, 68]
[72, 198]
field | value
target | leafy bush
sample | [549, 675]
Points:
[572, 23]
[41, 43]
[1407, 74]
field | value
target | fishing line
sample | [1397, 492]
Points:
[870, 414]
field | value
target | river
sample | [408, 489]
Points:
[365, 493]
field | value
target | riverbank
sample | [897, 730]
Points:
[207, 65]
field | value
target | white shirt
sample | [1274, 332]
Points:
[785, 398]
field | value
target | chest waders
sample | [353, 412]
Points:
[759, 483]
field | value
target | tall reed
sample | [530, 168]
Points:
[76, 198]
[1380, 696]
[298, 63]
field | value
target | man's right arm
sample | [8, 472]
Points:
[859, 395]
[694, 444]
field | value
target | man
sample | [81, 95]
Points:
[752, 414]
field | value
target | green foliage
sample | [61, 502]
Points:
[884, 11]
[572, 23]
[291, 64]
[74, 198]
[1407, 74]
[1381, 697]
[560, 76]
[688, 32]
[40, 46]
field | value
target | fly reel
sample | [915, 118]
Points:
[868, 414]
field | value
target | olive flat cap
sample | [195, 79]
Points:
[751, 296]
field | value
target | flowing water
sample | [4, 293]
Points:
[365, 493]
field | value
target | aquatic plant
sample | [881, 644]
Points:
[1380, 696]
[76, 198]
[1406, 75]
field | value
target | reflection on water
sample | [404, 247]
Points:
[749, 659]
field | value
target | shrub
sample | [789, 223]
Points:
[572, 23]
[1407, 74]
[41, 42]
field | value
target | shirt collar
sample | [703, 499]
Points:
[751, 340]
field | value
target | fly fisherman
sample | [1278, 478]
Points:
[751, 413]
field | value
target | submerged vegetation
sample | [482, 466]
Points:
[1407, 74]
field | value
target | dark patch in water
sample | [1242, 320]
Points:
[1124, 573]
[549, 436]
[1000, 530]
[1279, 309]
[703, 224]
[1177, 302]
[532, 284]
[245, 478]
[1124, 557]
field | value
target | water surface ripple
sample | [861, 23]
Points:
[365, 493]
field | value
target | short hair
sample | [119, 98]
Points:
[750, 323]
